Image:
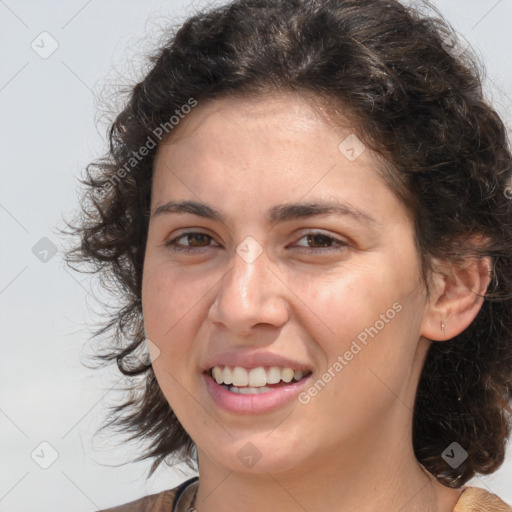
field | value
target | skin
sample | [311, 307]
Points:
[350, 447]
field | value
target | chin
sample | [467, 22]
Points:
[255, 455]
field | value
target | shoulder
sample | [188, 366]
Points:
[474, 499]
[159, 502]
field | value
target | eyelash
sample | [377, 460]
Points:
[173, 246]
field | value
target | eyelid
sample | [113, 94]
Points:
[173, 246]
[312, 232]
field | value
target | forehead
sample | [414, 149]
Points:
[258, 131]
[302, 110]
[267, 150]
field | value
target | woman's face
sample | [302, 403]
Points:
[274, 242]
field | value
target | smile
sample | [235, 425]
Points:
[254, 380]
[254, 390]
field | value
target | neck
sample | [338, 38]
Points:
[377, 477]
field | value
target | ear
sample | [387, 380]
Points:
[457, 294]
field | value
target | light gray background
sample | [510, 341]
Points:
[49, 132]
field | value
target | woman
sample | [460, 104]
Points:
[306, 211]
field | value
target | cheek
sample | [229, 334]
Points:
[349, 301]
[368, 332]
[167, 298]
[168, 311]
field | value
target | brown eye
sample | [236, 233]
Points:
[322, 240]
[316, 241]
[196, 240]
[200, 239]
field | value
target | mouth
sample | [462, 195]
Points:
[253, 381]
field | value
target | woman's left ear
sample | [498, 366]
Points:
[457, 294]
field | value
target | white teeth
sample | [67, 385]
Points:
[240, 376]
[273, 375]
[257, 377]
[248, 390]
[287, 374]
[228, 375]
[218, 375]
[254, 378]
[252, 391]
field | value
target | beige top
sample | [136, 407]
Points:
[179, 499]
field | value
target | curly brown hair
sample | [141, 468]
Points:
[417, 103]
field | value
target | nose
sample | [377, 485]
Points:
[250, 294]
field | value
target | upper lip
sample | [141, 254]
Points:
[253, 360]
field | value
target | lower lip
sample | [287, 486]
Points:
[253, 404]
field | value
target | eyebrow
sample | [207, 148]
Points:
[277, 214]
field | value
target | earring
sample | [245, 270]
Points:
[442, 325]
